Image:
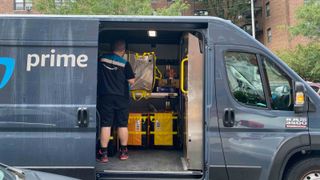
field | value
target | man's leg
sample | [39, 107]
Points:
[106, 113]
[122, 125]
[123, 135]
[105, 136]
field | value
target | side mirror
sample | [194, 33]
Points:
[299, 98]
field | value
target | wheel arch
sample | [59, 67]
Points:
[288, 150]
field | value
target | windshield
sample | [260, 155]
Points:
[6, 175]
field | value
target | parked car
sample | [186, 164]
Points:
[315, 86]
[11, 173]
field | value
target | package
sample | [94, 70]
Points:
[163, 129]
[144, 67]
[137, 127]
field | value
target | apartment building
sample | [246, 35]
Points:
[272, 18]
[276, 18]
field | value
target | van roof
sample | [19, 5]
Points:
[190, 19]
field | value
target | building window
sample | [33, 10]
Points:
[23, 5]
[268, 9]
[269, 35]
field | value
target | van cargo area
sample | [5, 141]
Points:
[165, 121]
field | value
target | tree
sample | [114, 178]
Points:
[305, 59]
[175, 9]
[308, 20]
[228, 9]
[107, 7]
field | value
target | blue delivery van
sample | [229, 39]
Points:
[240, 112]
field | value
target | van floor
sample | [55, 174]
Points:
[145, 160]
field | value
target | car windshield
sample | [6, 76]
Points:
[6, 175]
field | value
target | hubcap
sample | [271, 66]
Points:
[312, 176]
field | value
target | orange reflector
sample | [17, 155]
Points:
[299, 98]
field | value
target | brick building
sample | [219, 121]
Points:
[277, 16]
[273, 17]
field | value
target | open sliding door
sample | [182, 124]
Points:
[194, 66]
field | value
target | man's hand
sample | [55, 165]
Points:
[131, 81]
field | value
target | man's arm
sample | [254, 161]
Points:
[131, 81]
[129, 74]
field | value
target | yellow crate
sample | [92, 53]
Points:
[163, 128]
[137, 124]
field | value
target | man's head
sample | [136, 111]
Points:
[119, 47]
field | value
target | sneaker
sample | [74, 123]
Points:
[124, 154]
[102, 157]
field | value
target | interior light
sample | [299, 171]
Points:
[152, 33]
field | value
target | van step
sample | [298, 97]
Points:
[147, 175]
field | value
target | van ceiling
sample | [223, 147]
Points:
[140, 36]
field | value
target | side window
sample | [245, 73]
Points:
[244, 78]
[280, 86]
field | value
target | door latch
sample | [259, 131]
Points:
[83, 117]
[228, 117]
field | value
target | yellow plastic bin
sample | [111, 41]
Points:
[163, 130]
[137, 127]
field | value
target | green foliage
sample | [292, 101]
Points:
[228, 9]
[308, 20]
[108, 7]
[305, 60]
[175, 9]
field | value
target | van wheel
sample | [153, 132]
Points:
[307, 169]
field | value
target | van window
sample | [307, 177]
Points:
[244, 78]
[279, 85]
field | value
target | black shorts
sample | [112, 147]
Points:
[113, 110]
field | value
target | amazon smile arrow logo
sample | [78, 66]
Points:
[9, 67]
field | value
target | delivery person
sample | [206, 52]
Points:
[114, 76]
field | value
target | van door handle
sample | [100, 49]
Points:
[83, 117]
[228, 117]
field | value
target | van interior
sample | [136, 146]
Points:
[174, 105]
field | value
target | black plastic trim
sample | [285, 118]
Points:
[242, 172]
[142, 175]
[218, 172]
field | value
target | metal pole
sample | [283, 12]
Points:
[252, 20]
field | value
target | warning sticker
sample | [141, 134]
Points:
[296, 122]
[138, 125]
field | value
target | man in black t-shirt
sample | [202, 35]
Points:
[114, 76]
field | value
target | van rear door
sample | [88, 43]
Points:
[47, 110]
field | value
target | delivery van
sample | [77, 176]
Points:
[221, 105]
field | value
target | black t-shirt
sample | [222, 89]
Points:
[113, 75]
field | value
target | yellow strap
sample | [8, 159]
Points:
[163, 133]
[152, 117]
[182, 75]
[156, 70]
[144, 94]
[134, 132]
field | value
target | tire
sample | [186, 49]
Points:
[307, 169]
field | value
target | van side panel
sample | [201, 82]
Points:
[54, 76]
